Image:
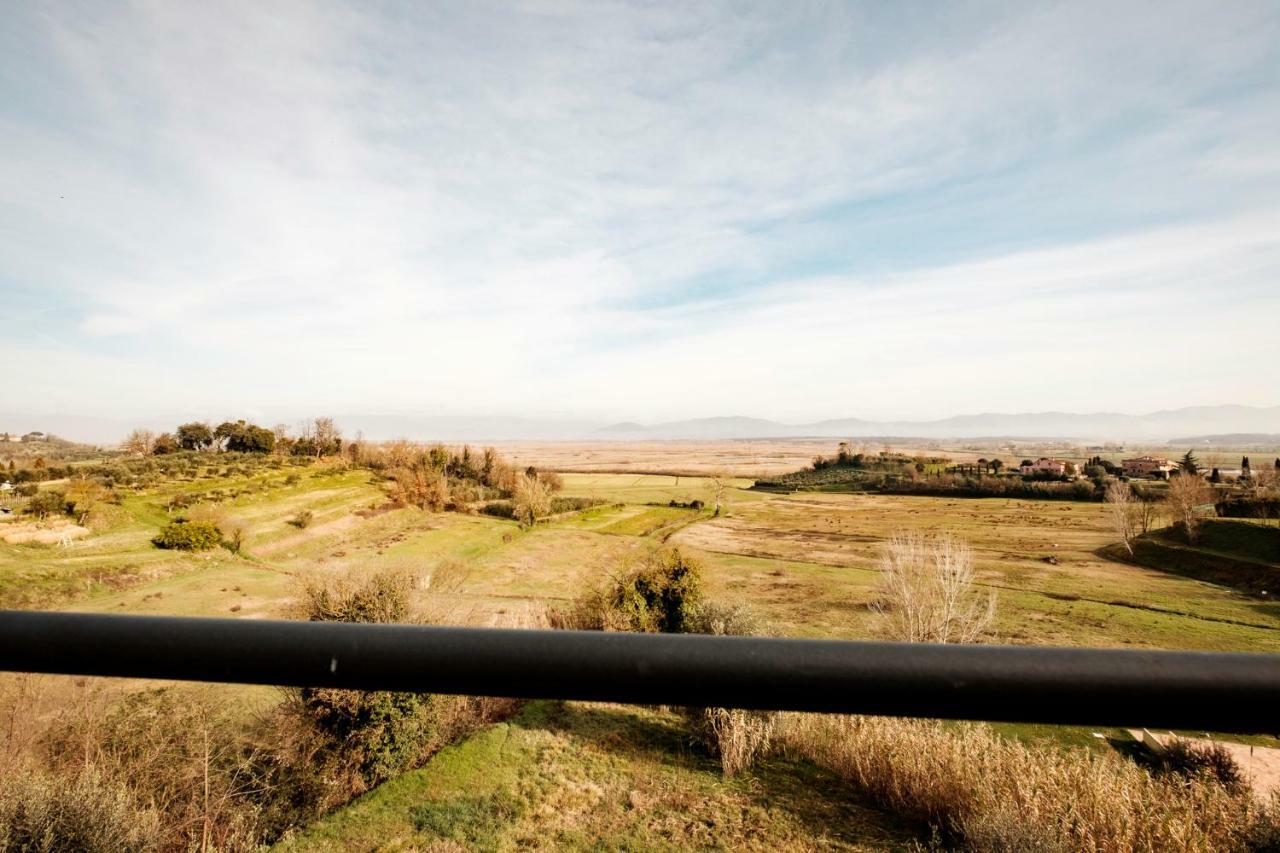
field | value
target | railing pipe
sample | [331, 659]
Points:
[1101, 687]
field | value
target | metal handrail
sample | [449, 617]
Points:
[1181, 690]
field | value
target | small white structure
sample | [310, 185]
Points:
[6, 486]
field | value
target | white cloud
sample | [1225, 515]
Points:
[602, 209]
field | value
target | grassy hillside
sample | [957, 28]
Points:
[590, 777]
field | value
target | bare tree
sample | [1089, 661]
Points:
[283, 439]
[532, 499]
[1148, 511]
[1126, 512]
[927, 591]
[1188, 498]
[719, 485]
[140, 442]
[326, 435]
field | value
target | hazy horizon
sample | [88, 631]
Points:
[381, 425]
[639, 212]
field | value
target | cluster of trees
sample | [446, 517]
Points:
[885, 460]
[986, 486]
[80, 499]
[1186, 501]
[437, 478]
[318, 437]
[37, 472]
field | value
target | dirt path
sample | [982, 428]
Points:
[1261, 764]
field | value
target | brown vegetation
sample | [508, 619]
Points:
[926, 591]
[1125, 510]
[1187, 498]
[988, 793]
[178, 769]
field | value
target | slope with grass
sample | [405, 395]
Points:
[572, 776]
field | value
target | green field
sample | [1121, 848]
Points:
[591, 777]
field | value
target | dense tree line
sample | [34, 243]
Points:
[318, 437]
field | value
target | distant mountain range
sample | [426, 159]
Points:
[1192, 425]
[1156, 426]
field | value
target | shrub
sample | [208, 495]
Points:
[50, 812]
[532, 500]
[559, 505]
[376, 734]
[46, 503]
[302, 520]
[499, 509]
[183, 751]
[234, 542]
[1209, 761]
[657, 596]
[184, 535]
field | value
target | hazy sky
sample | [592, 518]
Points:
[638, 211]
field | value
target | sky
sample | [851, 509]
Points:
[640, 211]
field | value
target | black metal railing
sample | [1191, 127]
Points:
[1180, 690]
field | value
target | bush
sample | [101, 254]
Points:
[303, 519]
[182, 750]
[46, 503]
[49, 812]
[499, 509]
[657, 596]
[559, 505]
[377, 734]
[183, 535]
[1207, 761]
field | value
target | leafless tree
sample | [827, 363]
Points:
[1126, 512]
[1148, 511]
[719, 485]
[140, 442]
[326, 435]
[532, 499]
[927, 591]
[1189, 498]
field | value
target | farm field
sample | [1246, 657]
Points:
[581, 776]
[806, 562]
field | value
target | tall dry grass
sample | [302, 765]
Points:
[988, 793]
[738, 737]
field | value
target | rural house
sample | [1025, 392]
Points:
[1147, 466]
[1044, 465]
